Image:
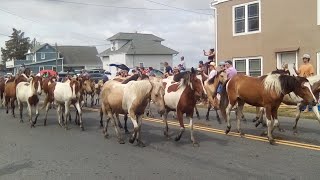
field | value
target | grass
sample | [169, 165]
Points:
[285, 111]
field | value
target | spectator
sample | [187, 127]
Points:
[211, 55]
[213, 71]
[202, 67]
[286, 68]
[306, 69]
[230, 70]
[176, 71]
[22, 68]
[168, 69]
[182, 64]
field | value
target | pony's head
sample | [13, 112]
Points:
[196, 84]
[300, 86]
[36, 82]
[220, 78]
[75, 88]
[87, 86]
[157, 94]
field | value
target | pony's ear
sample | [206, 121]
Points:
[193, 71]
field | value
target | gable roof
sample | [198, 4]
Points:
[80, 55]
[141, 47]
[134, 36]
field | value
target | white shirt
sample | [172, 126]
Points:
[212, 73]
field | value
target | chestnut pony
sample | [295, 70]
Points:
[265, 91]
[182, 97]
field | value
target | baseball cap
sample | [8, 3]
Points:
[228, 62]
[212, 64]
[307, 56]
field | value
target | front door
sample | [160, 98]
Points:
[289, 58]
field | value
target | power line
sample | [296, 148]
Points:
[186, 10]
[132, 8]
[6, 11]
[2, 34]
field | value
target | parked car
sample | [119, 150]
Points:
[98, 76]
[62, 75]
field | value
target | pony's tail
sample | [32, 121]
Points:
[224, 101]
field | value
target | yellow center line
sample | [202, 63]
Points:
[219, 131]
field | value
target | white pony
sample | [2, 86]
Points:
[64, 94]
[27, 92]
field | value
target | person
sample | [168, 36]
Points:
[182, 64]
[212, 69]
[306, 69]
[22, 68]
[211, 54]
[230, 70]
[221, 66]
[202, 67]
[168, 69]
[176, 71]
[286, 68]
[211, 57]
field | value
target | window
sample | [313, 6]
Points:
[41, 68]
[249, 66]
[43, 55]
[47, 47]
[54, 68]
[246, 18]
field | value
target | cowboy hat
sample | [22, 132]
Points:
[212, 64]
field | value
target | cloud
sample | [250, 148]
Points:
[78, 24]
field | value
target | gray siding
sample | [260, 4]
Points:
[50, 53]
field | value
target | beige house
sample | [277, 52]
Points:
[260, 35]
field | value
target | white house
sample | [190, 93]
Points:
[136, 49]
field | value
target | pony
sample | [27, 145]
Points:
[64, 94]
[294, 100]
[97, 91]
[87, 88]
[46, 82]
[132, 99]
[28, 92]
[182, 97]
[10, 91]
[2, 85]
[269, 91]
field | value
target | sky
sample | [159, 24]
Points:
[186, 25]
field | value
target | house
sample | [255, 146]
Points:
[261, 35]
[136, 49]
[69, 58]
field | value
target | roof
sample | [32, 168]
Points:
[216, 2]
[141, 47]
[80, 55]
[37, 47]
[134, 36]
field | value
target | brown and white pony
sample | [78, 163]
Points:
[2, 85]
[87, 88]
[265, 91]
[182, 97]
[97, 91]
[10, 91]
[64, 94]
[46, 82]
[132, 99]
[29, 93]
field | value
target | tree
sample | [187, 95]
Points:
[16, 47]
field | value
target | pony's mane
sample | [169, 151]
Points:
[289, 83]
[272, 82]
[313, 79]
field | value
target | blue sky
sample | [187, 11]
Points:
[79, 23]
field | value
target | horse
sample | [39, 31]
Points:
[28, 93]
[269, 91]
[294, 100]
[87, 89]
[10, 91]
[64, 94]
[182, 97]
[97, 91]
[2, 85]
[46, 82]
[131, 98]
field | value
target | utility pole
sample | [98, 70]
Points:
[57, 56]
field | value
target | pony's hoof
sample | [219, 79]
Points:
[21, 121]
[195, 144]
[257, 124]
[177, 138]
[60, 125]
[32, 125]
[272, 141]
[227, 130]
[106, 135]
[254, 119]
[44, 124]
[66, 128]
[82, 128]
[131, 140]
[127, 132]
[121, 141]
[264, 124]
[281, 130]
[264, 133]
[219, 121]
[141, 144]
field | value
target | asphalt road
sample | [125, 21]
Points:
[52, 152]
